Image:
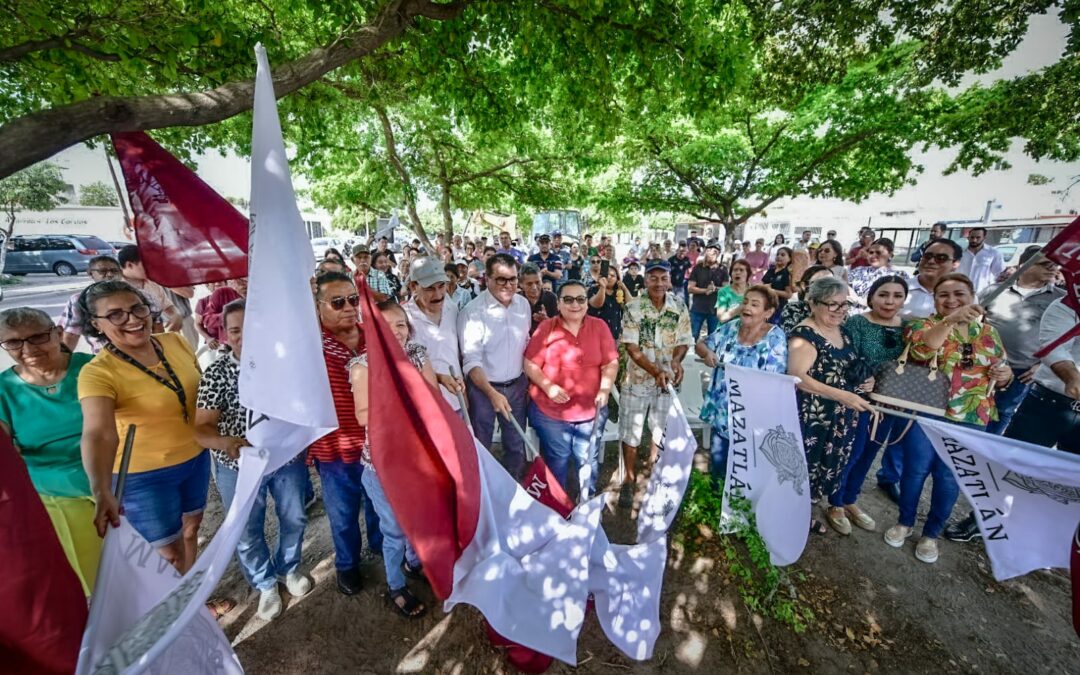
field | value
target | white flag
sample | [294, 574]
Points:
[766, 459]
[283, 381]
[1026, 497]
[670, 475]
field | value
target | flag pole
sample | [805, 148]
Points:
[521, 432]
[125, 461]
[1005, 285]
[461, 398]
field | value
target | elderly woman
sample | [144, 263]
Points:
[337, 455]
[750, 341]
[39, 409]
[878, 337]
[149, 381]
[879, 254]
[970, 355]
[795, 311]
[729, 299]
[831, 256]
[821, 354]
[571, 362]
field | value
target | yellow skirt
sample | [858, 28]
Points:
[73, 520]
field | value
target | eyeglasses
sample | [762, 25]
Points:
[967, 355]
[504, 281]
[338, 303]
[594, 261]
[105, 273]
[574, 299]
[118, 317]
[939, 258]
[16, 344]
[836, 306]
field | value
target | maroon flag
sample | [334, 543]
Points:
[1064, 249]
[1075, 574]
[44, 606]
[187, 233]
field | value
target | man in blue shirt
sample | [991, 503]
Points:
[547, 261]
[507, 247]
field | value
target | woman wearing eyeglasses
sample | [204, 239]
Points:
[970, 355]
[822, 355]
[878, 337]
[337, 455]
[39, 409]
[150, 381]
[571, 362]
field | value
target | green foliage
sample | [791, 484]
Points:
[38, 188]
[764, 588]
[1038, 179]
[97, 194]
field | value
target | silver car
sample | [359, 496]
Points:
[60, 254]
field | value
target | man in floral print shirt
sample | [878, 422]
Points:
[656, 332]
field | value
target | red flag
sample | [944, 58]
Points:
[187, 233]
[1064, 249]
[1075, 574]
[45, 609]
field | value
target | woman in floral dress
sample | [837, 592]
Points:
[821, 354]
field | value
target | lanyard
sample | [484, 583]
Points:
[173, 384]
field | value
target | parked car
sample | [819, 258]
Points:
[320, 244]
[60, 254]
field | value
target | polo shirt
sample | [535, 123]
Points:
[573, 362]
[1057, 319]
[1016, 317]
[347, 441]
[701, 275]
[513, 253]
[553, 263]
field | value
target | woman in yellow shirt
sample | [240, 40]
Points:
[150, 381]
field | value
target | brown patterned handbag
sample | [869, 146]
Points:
[912, 386]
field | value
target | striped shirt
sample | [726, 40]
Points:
[347, 441]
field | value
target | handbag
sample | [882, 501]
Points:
[911, 386]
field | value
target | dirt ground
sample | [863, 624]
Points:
[877, 609]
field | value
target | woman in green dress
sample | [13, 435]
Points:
[729, 299]
[39, 409]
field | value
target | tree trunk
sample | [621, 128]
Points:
[37, 136]
[6, 236]
[447, 214]
[403, 176]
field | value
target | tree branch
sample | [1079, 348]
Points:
[403, 176]
[37, 136]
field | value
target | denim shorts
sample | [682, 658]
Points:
[156, 501]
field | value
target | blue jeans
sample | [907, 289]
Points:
[920, 461]
[343, 495]
[698, 318]
[718, 452]
[863, 452]
[559, 441]
[892, 464]
[156, 501]
[286, 485]
[1008, 400]
[395, 548]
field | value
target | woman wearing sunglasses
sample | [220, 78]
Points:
[150, 381]
[878, 337]
[821, 354]
[39, 409]
[970, 355]
[571, 362]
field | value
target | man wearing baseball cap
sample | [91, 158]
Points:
[548, 262]
[435, 321]
[705, 281]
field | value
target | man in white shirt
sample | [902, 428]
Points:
[1050, 413]
[494, 330]
[940, 257]
[804, 241]
[982, 263]
[435, 322]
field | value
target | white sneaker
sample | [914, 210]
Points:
[896, 535]
[297, 584]
[926, 550]
[269, 604]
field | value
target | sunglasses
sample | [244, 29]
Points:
[574, 299]
[594, 261]
[338, 303]
[118, 317]
[967, 355]
[939, 258]
[16, 344]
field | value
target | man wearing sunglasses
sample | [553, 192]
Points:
[940, 257]
[101, 268]
[1016, 314]
[571, 362]
[493, 330]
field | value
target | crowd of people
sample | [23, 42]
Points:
[545, 339]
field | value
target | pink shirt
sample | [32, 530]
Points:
[573, 363]
[759, 260]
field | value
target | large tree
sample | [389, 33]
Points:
[37, 188]
[97, 194]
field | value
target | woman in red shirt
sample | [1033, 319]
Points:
[571, 363]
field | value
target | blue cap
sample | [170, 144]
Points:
[556, 233]
[657, 265]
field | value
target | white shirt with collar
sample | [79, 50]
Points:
[920, 301]
[1056, 320]
[493, 336]
[983, 267]
[440, 339]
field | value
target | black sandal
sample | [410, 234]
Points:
[414, 573]
[818, 527]
[413, 608]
